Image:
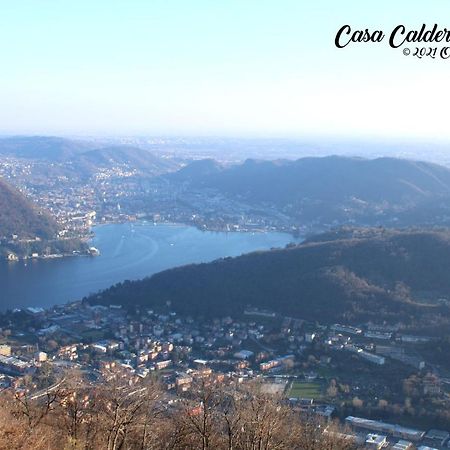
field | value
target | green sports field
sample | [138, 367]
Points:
[299, 389]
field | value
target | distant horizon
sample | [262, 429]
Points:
[364, 139]
[236, 149]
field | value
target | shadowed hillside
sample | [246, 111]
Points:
[330, 190]
[353, 276]
[21, 217]
[331, 178]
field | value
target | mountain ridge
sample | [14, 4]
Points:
[388, 275]
[136, 158]
[328, 191]
[48, 148]
[254, 177]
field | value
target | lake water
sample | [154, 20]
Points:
[128, 251]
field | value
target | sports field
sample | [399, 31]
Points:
[299, 389]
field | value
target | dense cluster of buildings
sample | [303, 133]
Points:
[109, 342]
[117, 192]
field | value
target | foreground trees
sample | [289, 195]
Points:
[76, 415]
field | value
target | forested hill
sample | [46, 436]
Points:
[332, 178]
[135, 158]
[350, 276]
[74, 158]
[329, 190]
[21, 217]
[48, 148]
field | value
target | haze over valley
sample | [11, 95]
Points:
[79, 183]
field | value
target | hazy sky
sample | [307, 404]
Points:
[217, 67]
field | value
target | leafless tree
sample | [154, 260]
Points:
[117, 416]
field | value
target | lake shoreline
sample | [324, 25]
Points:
[132, 250]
